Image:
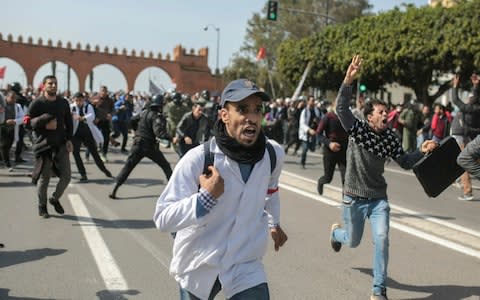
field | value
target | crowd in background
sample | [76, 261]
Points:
[295, 123]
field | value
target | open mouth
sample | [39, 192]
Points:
[384, 121]
[250, 132]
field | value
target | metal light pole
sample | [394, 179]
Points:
[217, 70]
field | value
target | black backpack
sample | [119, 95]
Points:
[210, 157]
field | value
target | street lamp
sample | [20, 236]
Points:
[217, 70]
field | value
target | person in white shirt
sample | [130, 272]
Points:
[9, 127]
[222, 216]
[84, 131]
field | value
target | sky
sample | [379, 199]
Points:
[149, 25]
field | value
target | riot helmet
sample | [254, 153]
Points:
[205, 95]
[157, 101]
[177, 98]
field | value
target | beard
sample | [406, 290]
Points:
[51, 93]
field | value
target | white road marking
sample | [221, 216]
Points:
[111, 274]
[407, 229]
[399, 208]
[162, 258]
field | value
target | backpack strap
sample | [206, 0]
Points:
[273, 157]
[209, 156]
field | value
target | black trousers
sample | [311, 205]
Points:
[104, 127]
[7, 135]
[138, 151]
[83, 135]
[330, 160]
[20, 143]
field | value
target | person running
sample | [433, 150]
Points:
[222, 217]
[370, 144]
[52, 124]
[83, 116]
[152, 126]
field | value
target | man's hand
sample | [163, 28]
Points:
[334, 146]
[428, 146]
[187, 140]
[455, 81]
[69, 146]
[51, 125]
[10, 122]
[353, 70]
[212, 182]
[279, 237]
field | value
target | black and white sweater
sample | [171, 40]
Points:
[368, 151]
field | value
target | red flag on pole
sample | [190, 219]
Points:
[2, 72]
[262, 53]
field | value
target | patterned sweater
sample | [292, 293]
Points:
[368, 151]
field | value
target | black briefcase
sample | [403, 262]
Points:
[437, 170]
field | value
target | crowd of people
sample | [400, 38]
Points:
[243, 126]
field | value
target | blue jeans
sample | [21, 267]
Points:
[258, 292]
[355, 211]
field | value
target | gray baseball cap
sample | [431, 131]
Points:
[240, 89]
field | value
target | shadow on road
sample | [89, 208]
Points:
[115, 295]
[437, 292]
[405, 215]
[155, 197]
[15, 184]
[8, 258]
[4, 296]
[120, 224]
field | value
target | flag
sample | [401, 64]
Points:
[2, 72]
[153, 89]
[262, 53]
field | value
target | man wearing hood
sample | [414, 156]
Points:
[222, 217]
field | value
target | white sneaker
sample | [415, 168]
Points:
[466, 198]
[104, 158]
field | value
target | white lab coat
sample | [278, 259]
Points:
[229, 241]
[89, 114]
[303, 123]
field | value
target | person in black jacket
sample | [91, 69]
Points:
[52, 124]
[193, 129]
[466, 126]
[152, 127]
[334, 139]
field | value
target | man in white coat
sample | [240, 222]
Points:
[9, 128]
[309, 119]
[222, 217]
[84, 131]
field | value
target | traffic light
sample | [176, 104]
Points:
[362, 88]
[272, 10]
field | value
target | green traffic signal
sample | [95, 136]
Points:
[272, 10]
[362, 88]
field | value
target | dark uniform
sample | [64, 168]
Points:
[151, 128]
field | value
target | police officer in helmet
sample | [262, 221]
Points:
[151, 128]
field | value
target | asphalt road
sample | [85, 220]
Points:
[109, 249]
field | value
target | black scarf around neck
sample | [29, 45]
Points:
[234, 150]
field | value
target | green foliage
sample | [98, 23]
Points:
[294, 26]
[415, 47]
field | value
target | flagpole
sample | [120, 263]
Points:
[302, 80]
[270, 79]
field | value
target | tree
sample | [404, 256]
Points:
[415, 48]
[294, 26]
